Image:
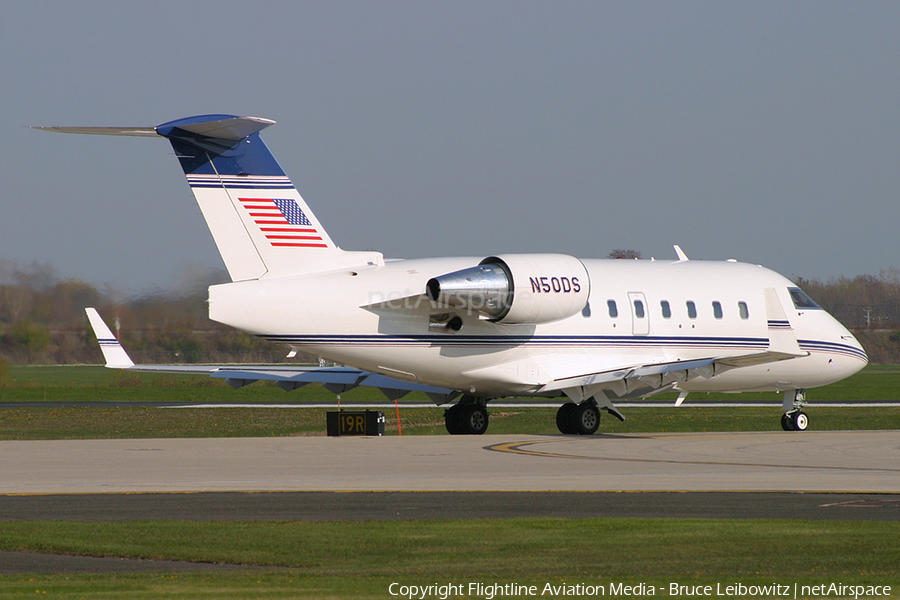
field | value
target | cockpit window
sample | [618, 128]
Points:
[801, 300]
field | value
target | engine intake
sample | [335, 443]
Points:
[516, 288]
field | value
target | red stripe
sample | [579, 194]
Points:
[282, 222]
[288, 230]
[293, 237]
[273, 213]
[256, 200]
[299, 245]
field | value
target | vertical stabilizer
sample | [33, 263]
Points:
[261, 225]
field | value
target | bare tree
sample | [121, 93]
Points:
[618, 253]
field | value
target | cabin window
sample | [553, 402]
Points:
[692, 309]
[801, 300]
[639, 309]
[666, 309]
[745, 312]
[613, 309]
[717, 309]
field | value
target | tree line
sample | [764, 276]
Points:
[42, 320]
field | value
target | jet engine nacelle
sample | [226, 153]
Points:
[516, 288]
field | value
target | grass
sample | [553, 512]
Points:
[97, 385]
[543, 548]
[361, 560]
[107, 423]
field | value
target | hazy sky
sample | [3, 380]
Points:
[763, 131]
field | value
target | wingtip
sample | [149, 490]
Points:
[113, 352]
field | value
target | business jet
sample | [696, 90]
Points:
[466, 330]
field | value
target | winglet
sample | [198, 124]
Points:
[113, 352]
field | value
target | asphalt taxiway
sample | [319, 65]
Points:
[810, 461]
[810, 475]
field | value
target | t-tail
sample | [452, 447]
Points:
[260, 223]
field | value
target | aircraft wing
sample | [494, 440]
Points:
[335, 379]
[658, 376]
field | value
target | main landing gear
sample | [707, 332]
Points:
[468, 417]
[583, 418]
[578, 419]
[794, 419]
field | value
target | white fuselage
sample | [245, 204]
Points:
[377, 317]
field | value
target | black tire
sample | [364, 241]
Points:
[786, 422]
[585, 419]
[452, 420]
[466, 419]
[562, 418]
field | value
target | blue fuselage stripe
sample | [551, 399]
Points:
[581, 342]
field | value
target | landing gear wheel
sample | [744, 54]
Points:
[786, 423]
[466, 419]
[585, 418]
[794, 419]
[799, 421]
[452, 421]
[474, 419]
[562, 418]
[578, 419]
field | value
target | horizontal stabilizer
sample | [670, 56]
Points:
[136, 131]
[220, 127]
[224, 128]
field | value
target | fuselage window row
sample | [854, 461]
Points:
[666, 309]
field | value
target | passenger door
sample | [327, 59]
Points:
[640, 313]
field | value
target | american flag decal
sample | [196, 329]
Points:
[283, 222]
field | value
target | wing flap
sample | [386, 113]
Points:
[652, 375]
[659, 375]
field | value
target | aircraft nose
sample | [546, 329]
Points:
[855, 357]
[862, 351]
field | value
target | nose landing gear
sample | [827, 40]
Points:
[794, 419]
